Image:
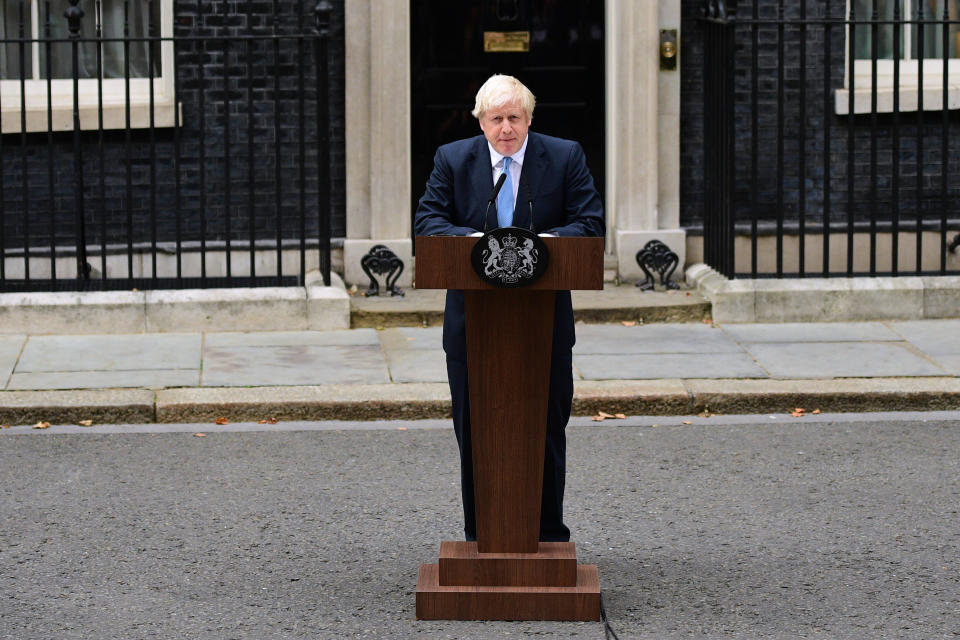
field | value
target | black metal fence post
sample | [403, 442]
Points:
[73, 14]
[718, 114]
[323, 11]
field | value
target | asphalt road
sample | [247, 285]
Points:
[763, 527]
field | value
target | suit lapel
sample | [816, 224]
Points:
[535, 163]
[481, 178]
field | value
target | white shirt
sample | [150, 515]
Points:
[496, 162]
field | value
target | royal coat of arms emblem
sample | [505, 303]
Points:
[510, 257]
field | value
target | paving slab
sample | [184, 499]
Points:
[412, 338]
[691, 338]
[293, 365]
[812, 332]
[842, 360]
[950, 363]
[132, 352]
[150, 379]
[667, 365]
[935, 337]
[417, 365]
[346, 337]
[10, 347]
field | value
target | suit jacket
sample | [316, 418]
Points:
[565, 203]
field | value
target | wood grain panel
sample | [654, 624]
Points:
[443, 262]
[554, 565]
[436, 602]
[509, 339]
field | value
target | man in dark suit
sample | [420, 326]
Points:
[566, 203]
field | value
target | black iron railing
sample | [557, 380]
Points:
[830, 145]
[146, 154]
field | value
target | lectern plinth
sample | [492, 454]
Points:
[507, 574]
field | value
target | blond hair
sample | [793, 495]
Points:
[500, 90]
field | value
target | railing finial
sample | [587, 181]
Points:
[719, 9]
[73, 14]
[322, 12]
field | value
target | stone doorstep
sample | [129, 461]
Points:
[623, 303]
[432, 400]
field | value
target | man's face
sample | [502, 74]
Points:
[505, 128]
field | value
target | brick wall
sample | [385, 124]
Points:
[139, 179]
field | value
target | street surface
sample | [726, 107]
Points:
[840, 526]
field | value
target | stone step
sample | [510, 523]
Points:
[616, 303]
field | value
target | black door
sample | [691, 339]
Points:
[564, 68]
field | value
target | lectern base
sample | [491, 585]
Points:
[436, 602]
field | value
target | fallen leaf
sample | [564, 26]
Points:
[799, 412]
[85, 423]
[688, 293]
[199, 435]
[706, 414]
[815, 412]
[707, 321]
[687, 422]
[597, 418]
[268, 421]
[401, 428]
[620, 416]
[4, 426]
[629, 323]
[221, 421]
[604, 414]
[42, 425]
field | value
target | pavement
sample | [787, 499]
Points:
[639, 354]
[834, 527]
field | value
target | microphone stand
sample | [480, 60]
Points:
[490, 200]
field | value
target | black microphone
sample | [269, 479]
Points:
[526, 189]
[493, 197]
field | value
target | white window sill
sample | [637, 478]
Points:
[863, 98]
[114, 113]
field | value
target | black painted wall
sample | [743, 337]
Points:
[149, 191]
[817, 180]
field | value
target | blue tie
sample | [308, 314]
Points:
[505, 198]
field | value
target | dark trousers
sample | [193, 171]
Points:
[552, 528]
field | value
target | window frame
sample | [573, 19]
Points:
[909, 93]
[89, 89]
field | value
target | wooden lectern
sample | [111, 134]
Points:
[507, 574]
